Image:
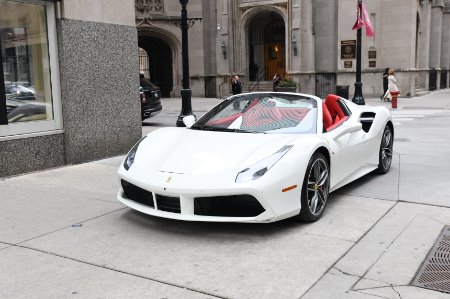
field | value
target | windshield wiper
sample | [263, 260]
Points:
[219, 129]
[249, 131]
[201, 127]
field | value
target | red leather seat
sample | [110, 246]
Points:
[333, 106]
[333, 115]
[327, 120]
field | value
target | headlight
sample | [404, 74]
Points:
[129, 160]
[258, 169]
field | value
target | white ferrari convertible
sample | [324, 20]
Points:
[257, 157]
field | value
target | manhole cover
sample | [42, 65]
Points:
[435, 271]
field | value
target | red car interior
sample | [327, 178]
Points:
[261, 116]
[333, 115]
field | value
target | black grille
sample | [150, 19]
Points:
[137, 194]
[168, 204]
[228, 206]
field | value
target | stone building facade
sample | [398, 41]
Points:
[302, 39]
[70, 67]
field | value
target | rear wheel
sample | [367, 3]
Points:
[315, 190]
[385, 155]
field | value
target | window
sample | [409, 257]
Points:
[29, 83]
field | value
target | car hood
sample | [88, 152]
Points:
[193, 152]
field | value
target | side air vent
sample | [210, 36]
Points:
[366, 120]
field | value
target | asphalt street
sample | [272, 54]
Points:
[63, 234]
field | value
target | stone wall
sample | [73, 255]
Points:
[99, 89]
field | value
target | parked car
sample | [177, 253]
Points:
[20, 91]
[257, 157]
[150, 97]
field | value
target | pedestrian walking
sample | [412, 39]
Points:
[392, 85]
[385, 82]
[276, 80]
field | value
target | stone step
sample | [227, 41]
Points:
[421, 92]
[261, 86]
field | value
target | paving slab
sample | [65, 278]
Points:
[384, 262]
[112, 161]
[227, 260]
[231, 260]
[425, 179]
[31, 209]
[398, 292]
[27, 273]
[403, 257]
[334, 285]
[392, 252]
[93, 179]
[348, 217]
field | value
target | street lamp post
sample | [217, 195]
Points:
[358, 97]
[186, 106]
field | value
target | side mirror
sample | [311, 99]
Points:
[189, 120]
[348, 129]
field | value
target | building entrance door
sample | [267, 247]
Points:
[156, 63]
[266, 38]
[274, 60]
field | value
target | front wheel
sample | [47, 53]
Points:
[385, 154]
[315, 190]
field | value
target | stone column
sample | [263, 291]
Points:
[295, 37]
[436, 33]
[325, 29]
[423, 43]
[306, 36]
[445, 47]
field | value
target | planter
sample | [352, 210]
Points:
[287, 89]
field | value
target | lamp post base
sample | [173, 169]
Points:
[186, 107]
[358, 98]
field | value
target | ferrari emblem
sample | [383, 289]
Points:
[169, 179]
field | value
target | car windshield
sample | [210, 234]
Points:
[274, 113]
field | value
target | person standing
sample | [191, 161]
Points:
[392, 85]
[385, 82]
[236, 86]
[276, 80]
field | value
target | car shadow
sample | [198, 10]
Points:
[366, 179]
[153, 124]
[209, 229]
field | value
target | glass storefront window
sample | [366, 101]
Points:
[25, 61]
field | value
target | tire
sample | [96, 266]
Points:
[385, 153]
[315, 189]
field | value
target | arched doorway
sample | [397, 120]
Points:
[156, 55]
[266, 44]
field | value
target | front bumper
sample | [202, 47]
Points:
[235, 204]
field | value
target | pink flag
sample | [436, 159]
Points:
[364, 22]
[369, 27]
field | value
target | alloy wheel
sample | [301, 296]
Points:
[386, 149]
[318, 182]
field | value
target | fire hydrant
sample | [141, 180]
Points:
[394, 95]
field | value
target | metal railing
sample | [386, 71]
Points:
[258, 78]
[220, 86]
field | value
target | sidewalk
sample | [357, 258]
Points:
[63, 233]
